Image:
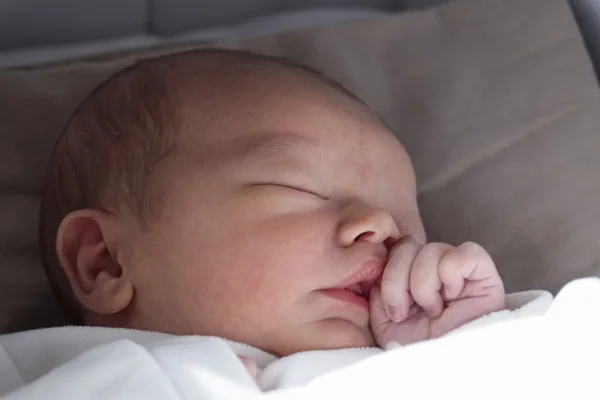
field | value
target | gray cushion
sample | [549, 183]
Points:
[174, 16]
[587, 13]
[496, 101]
[35, 23]
[25, 23]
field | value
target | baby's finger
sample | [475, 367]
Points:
[378, 316]
[425, 283]
[395, 279]
[467, 262]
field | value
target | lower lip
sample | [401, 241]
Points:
[347, 297]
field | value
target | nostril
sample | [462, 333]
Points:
[364, 236]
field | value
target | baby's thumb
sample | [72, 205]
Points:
[378, 316]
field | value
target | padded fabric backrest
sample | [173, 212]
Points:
[33, 23]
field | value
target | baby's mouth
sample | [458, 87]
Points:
[347, 296]
[356, 288]
[363, 280]
[362, 289]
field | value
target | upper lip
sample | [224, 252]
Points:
[364, 278]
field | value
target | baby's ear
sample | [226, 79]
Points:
[87, 249]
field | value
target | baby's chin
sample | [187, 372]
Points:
[344, 334]
[329, 334]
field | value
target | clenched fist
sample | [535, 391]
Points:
[430, 289]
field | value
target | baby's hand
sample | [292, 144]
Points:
[250, 366]
[430, 289]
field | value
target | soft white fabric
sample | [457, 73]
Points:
[553, 352]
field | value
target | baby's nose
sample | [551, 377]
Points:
[371, 224]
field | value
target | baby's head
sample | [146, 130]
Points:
[221, 193]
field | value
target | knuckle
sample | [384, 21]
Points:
[472, 248]
[475, 251]
[388, 283]
[430, 252]
[427, 301]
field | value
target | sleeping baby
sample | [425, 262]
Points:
[249, 201]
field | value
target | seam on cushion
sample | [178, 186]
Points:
[459, 168]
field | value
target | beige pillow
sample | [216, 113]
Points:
[496, 101]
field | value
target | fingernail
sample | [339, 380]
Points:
[434, 311]
[394, 313]
[447, 294]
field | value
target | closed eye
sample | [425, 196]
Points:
[292, 187]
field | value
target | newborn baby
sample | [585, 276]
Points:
[242, 196]
[224, 193]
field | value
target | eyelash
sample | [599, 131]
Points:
[300, 189]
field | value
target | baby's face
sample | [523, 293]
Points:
[295, 194]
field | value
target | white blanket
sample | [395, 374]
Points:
[554, 355]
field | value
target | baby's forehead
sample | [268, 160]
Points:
[281, 111]
[293, 125]
[296, 154]
[277, 115]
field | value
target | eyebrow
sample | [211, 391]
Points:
[275, 143]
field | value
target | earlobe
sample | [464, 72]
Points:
[87, 252]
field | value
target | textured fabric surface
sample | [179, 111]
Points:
[34, 23]
[496, 101]
[587, 14]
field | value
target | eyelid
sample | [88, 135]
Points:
[292, 187]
